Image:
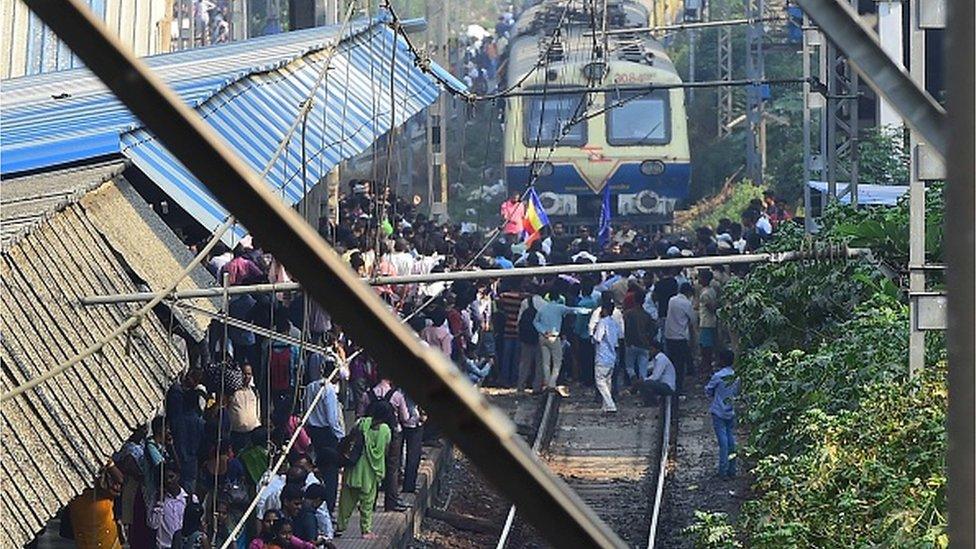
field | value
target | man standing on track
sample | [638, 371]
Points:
[548, 322]
[708, 318]
[678, 329]
[606, 336]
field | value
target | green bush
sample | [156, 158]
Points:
[849, 451]
[871, 476]
[712, 531]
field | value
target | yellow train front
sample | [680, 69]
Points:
[639, 148]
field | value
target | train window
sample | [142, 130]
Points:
[546, 118]
[644, 120]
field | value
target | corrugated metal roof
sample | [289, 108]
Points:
[351, 109]
[54, 439]
[26, 201]
[150, 249]
[65, 116]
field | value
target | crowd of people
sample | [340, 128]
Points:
[186, 478]
[482, 61]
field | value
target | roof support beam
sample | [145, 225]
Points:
[485, 434]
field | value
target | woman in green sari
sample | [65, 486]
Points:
[361, 481]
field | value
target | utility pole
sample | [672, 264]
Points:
[755, 70]
[842, 123]
[438, 15]
[925, 166]
[813, 103]
[333, 177]
[725, 105]
[835, 157]
[692, 38]
[890, 35]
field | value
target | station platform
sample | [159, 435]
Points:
[398, 529]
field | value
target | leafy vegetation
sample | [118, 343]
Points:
[729, 202]
[885, 230]
[848, 450]
[712, 531]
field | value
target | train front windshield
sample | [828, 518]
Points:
[546, 118]
[640, 119]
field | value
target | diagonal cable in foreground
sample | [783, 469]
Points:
[481, 431]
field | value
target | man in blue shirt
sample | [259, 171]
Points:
[325, 427]
[723, 388]
[606, 336]
[548, 322]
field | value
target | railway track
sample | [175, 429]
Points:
[616, 463]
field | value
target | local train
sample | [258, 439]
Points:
[634, 141]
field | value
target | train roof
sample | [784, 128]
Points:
[536, 26]
[543, 17]
[575, 47]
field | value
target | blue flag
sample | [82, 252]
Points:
[604, 235]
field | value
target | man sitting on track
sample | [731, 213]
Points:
[661, 379]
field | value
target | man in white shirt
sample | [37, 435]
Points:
[660, 380]
[678, 329]
[401, 259]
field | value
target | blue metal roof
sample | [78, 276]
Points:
[351, 109]
[867, 194]
[66, 116]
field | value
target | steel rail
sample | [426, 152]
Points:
[844, 27]
[661, 474]
[549, 270]
[481, 431]
[540, 435]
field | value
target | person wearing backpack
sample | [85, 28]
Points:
[282, 360]
[361, 479]
[528, 337]
[385, 395]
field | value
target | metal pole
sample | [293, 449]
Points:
[831, 58]
[485, 434]
[960, 240]
[725, 104]
[807, 138]
[549, 270]
[445, 60]
[916, 199]
[692, 39]
[755, 71]
[259, 330]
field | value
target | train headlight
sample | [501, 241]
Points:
[652, 167]
[647, 202]
[542, 169]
